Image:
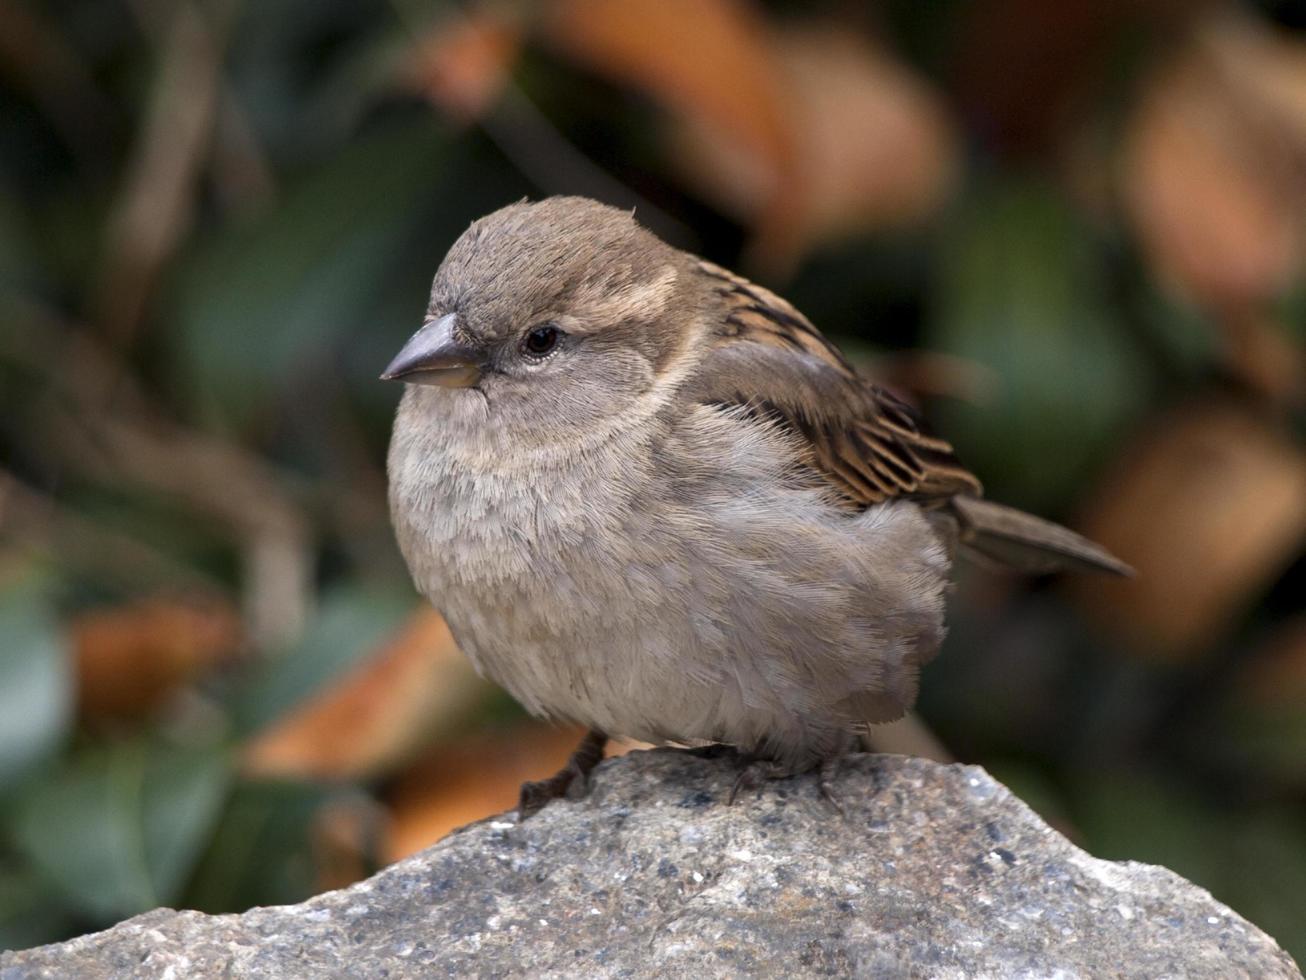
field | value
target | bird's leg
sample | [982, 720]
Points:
[576, 773]
[825, 778]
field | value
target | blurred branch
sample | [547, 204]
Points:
[523, 134]
[124, 439]
[545, 157]
[241, 171]
[37, 58]
[155, 204]
[223, 482]
[33, 520]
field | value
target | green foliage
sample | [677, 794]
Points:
[265, 303]
[261, 851]
[35, 684]
[348, 625]
[32, 911]
[1022, 291]
[117, 828]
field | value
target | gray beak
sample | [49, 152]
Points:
[433, 357]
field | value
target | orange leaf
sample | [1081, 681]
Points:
[379, 712]
[130, 659]
[1211, 165]
[707, 60]
[1208, 509]
[474, 778]
[873, 146]
[463, 65]
[876, 146]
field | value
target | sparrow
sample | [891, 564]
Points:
[650, 497]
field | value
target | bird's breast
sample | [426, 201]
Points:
[496, 524]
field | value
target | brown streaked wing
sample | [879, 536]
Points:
[759, 315]
[769, 359]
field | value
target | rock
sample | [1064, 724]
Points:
[936, 871]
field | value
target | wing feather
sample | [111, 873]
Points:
[769, 359]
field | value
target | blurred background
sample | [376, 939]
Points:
[1073, 233]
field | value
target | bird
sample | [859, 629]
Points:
[651, 498]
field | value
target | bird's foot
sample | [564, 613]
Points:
[571, 781]
[825, 778]
[756, 772]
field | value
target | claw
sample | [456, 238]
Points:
[754, 774]
[825, 778]
[571, 781]
[535, 795]
[745, 780]
[758, 771]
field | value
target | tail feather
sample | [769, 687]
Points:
[1026, 542]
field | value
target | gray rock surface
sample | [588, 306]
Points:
[937, 871]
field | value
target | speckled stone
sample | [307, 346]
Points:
[937, 871]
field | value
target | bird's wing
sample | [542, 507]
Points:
[767, 359]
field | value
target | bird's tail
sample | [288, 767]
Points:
[1025, 542]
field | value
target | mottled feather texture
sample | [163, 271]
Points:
[769, 357]
[692, 521]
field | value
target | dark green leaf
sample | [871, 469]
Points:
[1268, 886]
[1266, 739]
[32, 912]
[268, 301]
[16, 259]
[261, 854]
[1022, 294]
[1186, 338]
[349, 625]
[35, 684]
[1136, 816]
[117, 828]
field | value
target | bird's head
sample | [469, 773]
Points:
[564, 307]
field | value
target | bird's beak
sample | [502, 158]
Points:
[433, 357]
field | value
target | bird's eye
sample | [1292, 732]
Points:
[541, 340]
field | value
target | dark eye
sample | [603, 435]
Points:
[541, 340]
